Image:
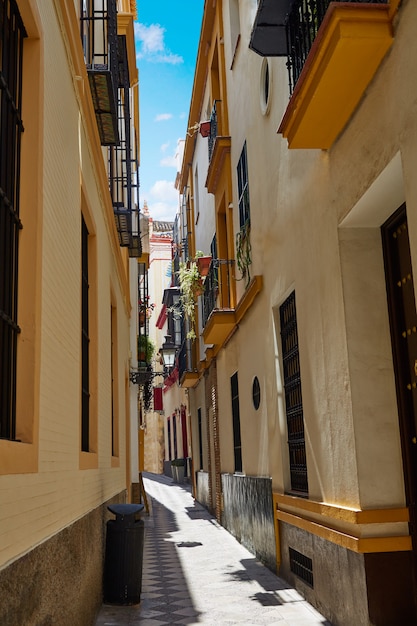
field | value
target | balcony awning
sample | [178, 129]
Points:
[123, 220]
[169, 294]
[104, 101]
[268, 37]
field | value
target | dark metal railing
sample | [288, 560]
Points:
[303, 22]
[99, 34]
[293, 396]
[122, 165]
[216, 287]
[185, 358]
[12, 33]
[213, 130]
[98, 24]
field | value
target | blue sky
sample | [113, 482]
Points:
[167, 36]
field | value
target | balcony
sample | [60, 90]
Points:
[268, 37]
[218, 316]
[187, 373]
[218, 149]
[99, 40]
[334, 51]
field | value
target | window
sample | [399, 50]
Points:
[196, 197]
[293, 399]
[114, 383]
[265, 87]
[237, 445]
[243, 189]
[12, 33]
[85, 343]
[200, 436]
[89, 344]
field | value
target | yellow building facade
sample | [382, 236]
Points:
[66, 302]
[298, 173]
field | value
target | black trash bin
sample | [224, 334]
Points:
[124, 555]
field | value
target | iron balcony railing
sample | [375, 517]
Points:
[213, 130]
[185, 358]
[303, 22]
[216, 287]
[98, 23]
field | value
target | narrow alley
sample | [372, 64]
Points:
[195, 572]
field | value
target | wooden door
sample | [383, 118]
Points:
[403, 323]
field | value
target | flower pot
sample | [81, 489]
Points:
[205, 128]
[203, 263]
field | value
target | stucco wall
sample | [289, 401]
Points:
[37, 505]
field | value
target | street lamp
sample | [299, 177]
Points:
[167, 352]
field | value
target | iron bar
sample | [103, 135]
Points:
[303, 22]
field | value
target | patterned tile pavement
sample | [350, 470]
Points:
[195, 572]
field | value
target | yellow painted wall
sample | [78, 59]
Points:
[43, 487]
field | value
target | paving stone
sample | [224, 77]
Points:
[195, 572]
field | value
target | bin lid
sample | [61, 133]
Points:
[123, 511]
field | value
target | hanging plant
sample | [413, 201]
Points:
[191, 286]
[244, 252]
[147, 395]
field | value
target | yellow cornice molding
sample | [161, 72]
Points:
[393, 8]
[200, 76]
[301, 507]
[217, 166]
[254, 288]
[345, 514]
[350, 542]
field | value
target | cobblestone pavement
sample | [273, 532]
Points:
[195, 572]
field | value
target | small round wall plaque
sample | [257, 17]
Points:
[256, 393]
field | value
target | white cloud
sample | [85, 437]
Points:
[162, 200]
[165, 147]
[161, 117]
[169, 161]
[151, 44]
[164, 190]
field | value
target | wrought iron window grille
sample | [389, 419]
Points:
[213, 131]
[122, 165]
[293, 397]
[12, 34]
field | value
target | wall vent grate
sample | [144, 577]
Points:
[302, 566]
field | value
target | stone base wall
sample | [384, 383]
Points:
[59, 583]
[248, 514]
[351, 588]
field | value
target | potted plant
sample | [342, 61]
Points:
[146, 349]
[203, 263]
[244, 252]
[178, 470]
[146, 309]
[191, 286]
